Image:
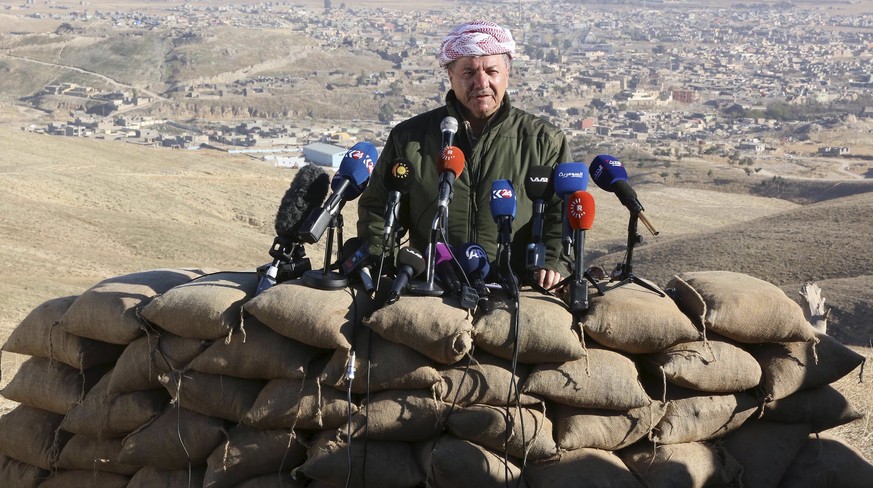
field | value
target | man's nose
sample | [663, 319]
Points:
[480, 79]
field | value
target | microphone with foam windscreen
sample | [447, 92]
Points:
[355, 262]
[445, 268]
[539, 187]
[449, 127]
[398, 181]
[569, 178]
[347, 184]
[410, 263]
[610, 175]
[580, 216]
[307, 192]
[450, 165]
[474, 262]
[503, 206]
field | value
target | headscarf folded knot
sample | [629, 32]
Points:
[477, 38]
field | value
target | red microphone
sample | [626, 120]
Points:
[580, 216]
[450, 165]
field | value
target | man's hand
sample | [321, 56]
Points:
[547, 278]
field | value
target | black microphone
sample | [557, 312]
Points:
[356, 259]
[539, 188]
[347, 184]
[306, 193]
[410, 263]
[398, 181]
[449, 127]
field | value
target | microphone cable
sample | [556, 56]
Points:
[350, 379]
[515, 327]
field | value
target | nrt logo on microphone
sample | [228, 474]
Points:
[502, 193]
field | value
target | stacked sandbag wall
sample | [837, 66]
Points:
[186, 378]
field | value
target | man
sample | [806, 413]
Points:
[498, 141]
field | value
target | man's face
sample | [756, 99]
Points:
[480, 83]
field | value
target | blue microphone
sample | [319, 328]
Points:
[569, 178]
[347, 184]
[474, 262]
[503, 205]
[610, 175]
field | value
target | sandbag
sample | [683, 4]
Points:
[577, 428]
[691, 465]
[589, 468]
[63, 478]
[765, 450]
[636, 320]
[298, 404]
[151, 477]
[175, 438]
[826, 461]
[31, 436]
[37, 335]
[207, 307]
[256, 352]
[740, 307]
[249, 452]
[87, 453]
[483, 379]
[521, 432]
[450, 462]
[435, 327]
[794, 366]
[147, 358]
[108, 311]
[212, 395]
[50, 385]
[104, 416]
[822, 408]
[398, 415]
[15, 474]
[280, 480]
[320, 318]
[380, 365]
[386, 464]
[546, 332]
[703, 417]
[603, 379]
[711, 366]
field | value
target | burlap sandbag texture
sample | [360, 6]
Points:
[546, 330]
[38, 335]
[109, 311]
[740, 307]
[636, 320]
[435, 327]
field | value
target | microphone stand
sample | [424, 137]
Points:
[325, 279]
[429, 287]
[627, 275]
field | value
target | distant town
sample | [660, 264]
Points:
[737, 81]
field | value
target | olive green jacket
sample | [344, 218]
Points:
[513, 142]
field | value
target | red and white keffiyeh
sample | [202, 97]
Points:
[477, 38]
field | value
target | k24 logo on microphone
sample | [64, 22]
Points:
[576, 210]
[502, 193]
[358, 154]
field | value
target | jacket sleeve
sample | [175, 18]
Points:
[553, 223]
[371, 207]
